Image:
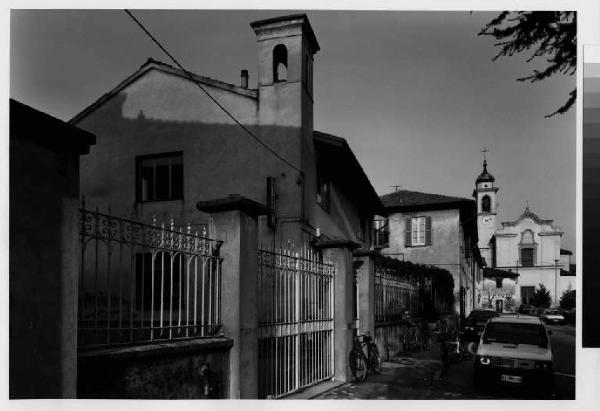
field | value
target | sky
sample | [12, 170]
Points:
[416, 94]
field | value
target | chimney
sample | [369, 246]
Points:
[244, 79]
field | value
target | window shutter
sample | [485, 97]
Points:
[427, 230]
[407, 232]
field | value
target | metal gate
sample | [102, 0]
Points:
[295, 321]
[143, 283]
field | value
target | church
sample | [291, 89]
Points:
[520, 255]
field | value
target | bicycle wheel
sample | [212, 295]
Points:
[405, 347]
[358, 365]
[418, 342]
[427, 342]
[374, 359]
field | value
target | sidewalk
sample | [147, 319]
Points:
[408, 376]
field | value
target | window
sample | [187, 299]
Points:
[515, 333]
[381, 232]
[323, 193]
[486, 204]
[498, 282]
[280, 63]
[160, 177]
[527, 257]
[527, 293]
[418, 231]
[527, 237]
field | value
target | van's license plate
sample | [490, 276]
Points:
[511, 378]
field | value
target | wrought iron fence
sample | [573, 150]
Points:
[394, 295]
[142, 283]
[295, 319]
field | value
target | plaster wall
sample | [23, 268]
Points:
[43, 269]
[219, 157]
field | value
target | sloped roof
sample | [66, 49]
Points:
[152, 64]
[29, 123]
[405, 199]
[489, 272]
[335, 157]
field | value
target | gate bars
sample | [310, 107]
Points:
[295, 321]
[394, 295]
[143, 283]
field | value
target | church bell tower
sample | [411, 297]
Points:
[485, 195]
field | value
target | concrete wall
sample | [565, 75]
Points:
[162, 371]
[44, 267]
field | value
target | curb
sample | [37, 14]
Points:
[315, 390]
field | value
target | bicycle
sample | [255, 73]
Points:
[416, 338]
[361, 364]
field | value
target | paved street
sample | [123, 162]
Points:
[419, 376]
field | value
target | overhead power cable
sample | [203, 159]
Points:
[191, 77]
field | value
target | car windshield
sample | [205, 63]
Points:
[552, 312]
[482, 315]
[514, 333]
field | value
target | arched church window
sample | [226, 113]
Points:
[486, 204]
[280, 63]
[527, 249]
[527, 237]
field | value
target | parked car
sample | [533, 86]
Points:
[552, 317]
[514, 352]
[536, 312]
[525, 309]
[475, 323]
[570, 316]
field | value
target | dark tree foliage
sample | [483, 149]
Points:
[441, 281]
[551, 35]
[541, 298]
[567, 300]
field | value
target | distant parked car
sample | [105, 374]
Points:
[515, 352]
[525, 309]
[536, 312]
[570, 316]
[552, 317]
[475, 323]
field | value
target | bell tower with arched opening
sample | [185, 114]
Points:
[286, 49]
[485, 195]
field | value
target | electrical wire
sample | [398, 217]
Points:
[191, 77]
